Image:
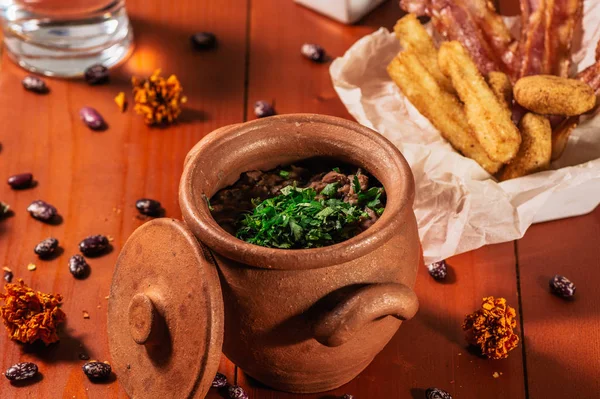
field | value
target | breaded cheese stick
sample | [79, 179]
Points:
[488, 117]
[536, 148]
[500, 84]
[413, 36]
[440, 107]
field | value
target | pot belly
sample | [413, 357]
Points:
[270, 316]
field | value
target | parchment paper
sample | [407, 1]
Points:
[459, 207]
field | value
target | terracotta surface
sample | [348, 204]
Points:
[277, 301]
[95, 179]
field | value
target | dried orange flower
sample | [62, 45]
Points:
[121, 101]
[157, 99]
[29, 315]
[491, 328]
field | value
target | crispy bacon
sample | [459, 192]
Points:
[546, 35]
[476, 25]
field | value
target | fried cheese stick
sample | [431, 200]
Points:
[488, 117]
[536, 148]
[441, 108]
[413, 36]
[500, 84]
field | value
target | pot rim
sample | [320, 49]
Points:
[199, 218]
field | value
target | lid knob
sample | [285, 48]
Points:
[145, 322]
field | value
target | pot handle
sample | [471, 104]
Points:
[368, 304]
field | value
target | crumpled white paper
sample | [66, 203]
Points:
[458, 206]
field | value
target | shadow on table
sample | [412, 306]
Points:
[68, 350]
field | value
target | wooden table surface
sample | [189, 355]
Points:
[94, 180]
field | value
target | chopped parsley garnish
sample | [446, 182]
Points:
[299, 218]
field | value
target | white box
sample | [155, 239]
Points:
[345, 11]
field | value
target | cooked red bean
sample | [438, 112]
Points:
[34, 84]
[96, 74]
[42, 210]
[20, 181]
[235, 392]
[92, 118]
[562, 286]
[97, 371]
[46, 247]
[94, 245]
[219, 381]
[436, 393]
[21, 371]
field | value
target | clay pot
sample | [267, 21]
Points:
[296, 320]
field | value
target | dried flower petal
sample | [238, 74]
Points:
[86, 315]
[4, 208]
[158, 99]
[491, 328]
[31, 315]
[31, 267]
[121, 101]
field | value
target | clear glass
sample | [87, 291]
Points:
[64, 37]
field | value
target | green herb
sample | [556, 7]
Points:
[284, 173]
[208, 202]
[296, 219]
[336, 169]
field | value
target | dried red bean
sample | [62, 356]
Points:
[46, 247]
[562, 286]
[21, 371]
[313, 52]
[96, 74]
[263, 109]
[220, 381]
[42, 210]
[94, 245]
[348, 396]
[92, 118]
[203, 40]
[97, 371]
[78, 267]
[435, 393]
[438, 270]
[8, 276]
[20, 181]
[148, 207]
[4, 209]
[235, 392]
[34, 84]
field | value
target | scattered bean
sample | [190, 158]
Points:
[148, 207]
[348, 396]
[20, 181]
[203, 40]
[263, 109]
[220, 381]
[78, 266]
[34, 84]
[236, 392]
[435, 393]
[92, 118]
[46, 247]
[94, 245]
[96, 74]
[313, 52]
[97, 371]
[438, 270]
[42, 210]
[4, 209]
[8, 276]
[562, 286]
[21, 371]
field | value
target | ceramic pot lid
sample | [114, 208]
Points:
[165, 314]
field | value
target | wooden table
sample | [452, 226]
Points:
[94, 180]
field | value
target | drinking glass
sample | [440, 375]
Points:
[64, 37]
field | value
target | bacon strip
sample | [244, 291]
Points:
[476, 25]
[546, 36]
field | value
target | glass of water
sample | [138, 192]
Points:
[64, 37]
